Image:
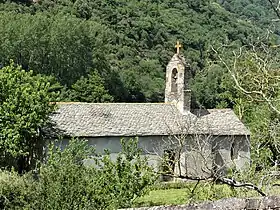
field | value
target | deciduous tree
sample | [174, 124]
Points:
[24, 110]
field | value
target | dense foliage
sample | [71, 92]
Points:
[24, 111]
[71, 180]
[127, 43]
[260, 12]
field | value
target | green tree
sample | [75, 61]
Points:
[211, 88]
[56, 45]
[24, 110]
[90, 89]
[254, 72]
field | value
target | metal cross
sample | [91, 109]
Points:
[178, 45]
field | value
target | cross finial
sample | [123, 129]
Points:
[178, 45]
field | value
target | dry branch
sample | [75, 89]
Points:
[263, 67]
[234, 183]
[275, 9]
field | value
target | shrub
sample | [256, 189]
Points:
[16, 191]
[66, 182]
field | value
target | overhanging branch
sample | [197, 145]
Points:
[234, 183]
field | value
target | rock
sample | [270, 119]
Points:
[271, 202]
[262, 203]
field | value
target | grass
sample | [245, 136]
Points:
[176, 193]
[182, 194]
[162, 197]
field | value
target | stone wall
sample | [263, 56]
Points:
[270, 202]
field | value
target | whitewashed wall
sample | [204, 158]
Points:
[198, 156]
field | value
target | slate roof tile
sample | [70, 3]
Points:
[142, 119]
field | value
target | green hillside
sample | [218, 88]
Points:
[257, 11]
[120, 46]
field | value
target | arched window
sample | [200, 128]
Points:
[174, 78]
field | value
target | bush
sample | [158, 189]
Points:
[66, 181]
[16, 191]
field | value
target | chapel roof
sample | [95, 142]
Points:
[142, 119]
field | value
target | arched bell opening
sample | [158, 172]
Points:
[174, 78]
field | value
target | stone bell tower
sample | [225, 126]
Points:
[177, 82]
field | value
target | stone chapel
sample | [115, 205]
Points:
[175, 137]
